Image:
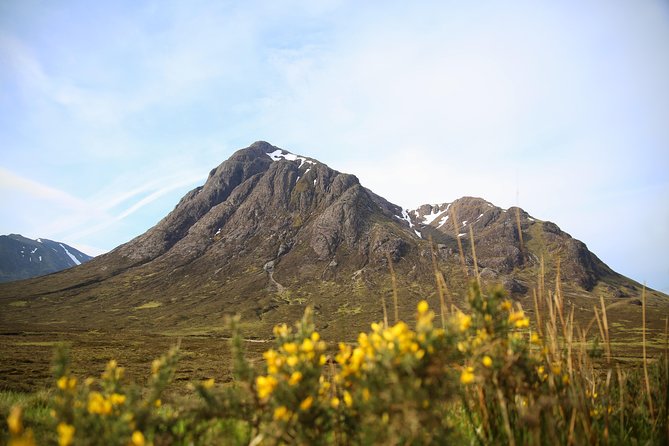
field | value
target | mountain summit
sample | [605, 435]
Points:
[270, 232]
[22, 258]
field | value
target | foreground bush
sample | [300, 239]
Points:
[484, 376]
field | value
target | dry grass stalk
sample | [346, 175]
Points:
[393, 279]
[542, 278]
[599, 324]
[645, 358]
[572, 426]
[621, 396]
[456, 228]
[520, 233]
[537, 313]
[476, 265]
[605, 322]
[484, 410]
[505, 416]
[559, 301]
[444, 293]
[385, 310]
[442, 290]
[570, 343]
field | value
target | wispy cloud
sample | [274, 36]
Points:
[12, 183]
[78, 232]
[53, 213]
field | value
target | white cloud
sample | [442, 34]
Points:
[12, 183]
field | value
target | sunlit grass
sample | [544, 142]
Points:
[149, 305]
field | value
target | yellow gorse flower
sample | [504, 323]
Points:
[65, 383]
[281, 413]
[535, 339]
[290, 348]
[281, 330]
[98, 404]
[307, 346]
[14, 421]
[295, 378]
[65, 434]
[265, 385]
[155, 366]
[117, 399]
[487, 361]
[348, 399]
[114, 372]
[306, 403]
[518, 319]
[467, 376]
[137, 439]
[464, 321]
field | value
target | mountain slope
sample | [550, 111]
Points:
[23, 258]
[270, 232]
[502, 248]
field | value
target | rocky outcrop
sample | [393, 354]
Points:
[509, 239]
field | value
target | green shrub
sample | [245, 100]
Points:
[483, 376]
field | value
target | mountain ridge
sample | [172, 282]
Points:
[270, 232]
[24, 258]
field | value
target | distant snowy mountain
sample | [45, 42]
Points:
[23, 258]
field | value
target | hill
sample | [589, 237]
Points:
[271, 232]
[23, 258]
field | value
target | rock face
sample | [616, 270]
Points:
[270, 230]
[509, 239]
[23, 258]
[264, 200]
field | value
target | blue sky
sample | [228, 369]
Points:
[111, 111]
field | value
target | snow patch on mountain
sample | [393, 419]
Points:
[283, 154]
[74, 259]
[405, 217]
[428, 219]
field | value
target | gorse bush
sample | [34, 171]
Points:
[482, 376]
[105, 411]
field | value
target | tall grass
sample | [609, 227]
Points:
[484, 374]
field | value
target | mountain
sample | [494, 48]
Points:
[23, 258]
[271, 232]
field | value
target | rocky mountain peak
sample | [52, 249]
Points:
[263, 193]
[270, 228]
